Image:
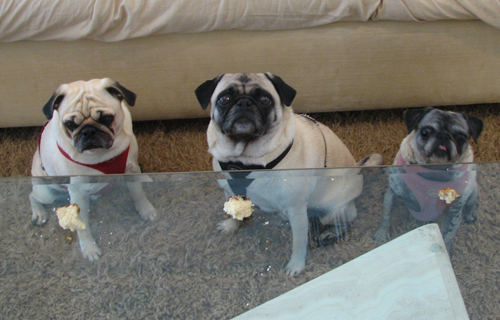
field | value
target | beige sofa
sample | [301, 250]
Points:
[338, 54]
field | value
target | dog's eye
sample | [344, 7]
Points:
[223, 100]
[71, 125]
[426, 132]
[461, 139]
[265, 100]
[106, 120]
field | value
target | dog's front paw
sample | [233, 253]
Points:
[146, 210]
[381, 235]
[228, 226]
[295, 267]
[470, 214]
[39, 217]
[470, 219]
[90, 251]
[149, 214]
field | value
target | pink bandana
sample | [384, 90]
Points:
[426, 191]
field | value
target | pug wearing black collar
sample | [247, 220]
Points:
[440, 139]
[254, 127]
[89, 132]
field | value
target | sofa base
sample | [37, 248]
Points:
[337, 67]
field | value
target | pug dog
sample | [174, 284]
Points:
[440, 140]
[253, 127]
[89, 132]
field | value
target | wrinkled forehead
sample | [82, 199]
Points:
[85, 95]
[441, 120]
[78, 89]
[245, 82]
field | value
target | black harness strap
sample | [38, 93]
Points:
[236, 165]
[238, 182]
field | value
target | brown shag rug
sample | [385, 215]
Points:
[179, 266]
[180, 145]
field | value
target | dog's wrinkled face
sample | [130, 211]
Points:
[441, 136]
[89, 113]
[245, 105]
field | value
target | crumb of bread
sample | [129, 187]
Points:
[239, 207]
[448, 194]
[68, 217]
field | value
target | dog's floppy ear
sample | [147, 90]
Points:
[121, 93]
[475, 125]
[286, 93]
[52, 104]
[205, 90]
[413, 117]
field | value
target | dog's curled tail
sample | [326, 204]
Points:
[374, 159]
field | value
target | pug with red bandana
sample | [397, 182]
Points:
[89, 132]
[440, 141]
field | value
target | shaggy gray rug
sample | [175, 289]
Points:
[180, 267]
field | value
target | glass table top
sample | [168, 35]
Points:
[180, 266]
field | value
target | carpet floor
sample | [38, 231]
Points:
[179, 266]
[180, 145]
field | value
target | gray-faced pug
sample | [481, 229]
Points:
[89, 132]
[254, 127]
[441, 139]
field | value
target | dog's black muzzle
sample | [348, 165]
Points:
[244, 120]
[445, 147]
[90, 138]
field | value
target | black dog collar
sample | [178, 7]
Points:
[236, 165]
[239, 182]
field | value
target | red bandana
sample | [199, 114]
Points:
[116, 165]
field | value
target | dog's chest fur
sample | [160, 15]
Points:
[279, 192]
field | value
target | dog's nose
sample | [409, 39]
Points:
[88, 131]
[243, 103]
